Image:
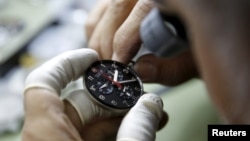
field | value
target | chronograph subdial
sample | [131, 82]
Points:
[105, 88]
[126, 93]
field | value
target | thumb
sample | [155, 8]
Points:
[141, 122]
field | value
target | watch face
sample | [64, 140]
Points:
[113, 84]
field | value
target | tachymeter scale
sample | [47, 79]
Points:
[113, 84]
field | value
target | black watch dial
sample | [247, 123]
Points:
[113, 84]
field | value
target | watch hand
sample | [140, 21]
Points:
[128, 94]
[107, 77]
[114, 82]
[124, 89]
[104, 85]
[116, 75]
[127, 81]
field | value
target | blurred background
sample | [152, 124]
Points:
[33, 31]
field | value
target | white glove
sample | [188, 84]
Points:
[141, 122]
[55, 74]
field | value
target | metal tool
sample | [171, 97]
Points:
[164, 35]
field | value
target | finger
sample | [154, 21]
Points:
[102, 37]
[168, 71]
[142, 121]
[95, 16]
[105, 128]
[74, 117]
[168, 6]
[59, 71]
[127, 40]
[86, 108]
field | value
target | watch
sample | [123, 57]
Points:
[113, 84]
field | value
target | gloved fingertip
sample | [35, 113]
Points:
[153, 103]
[91, 52]
[127, 139]
[153, 98]
[142, 121]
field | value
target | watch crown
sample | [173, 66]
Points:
[131, 63]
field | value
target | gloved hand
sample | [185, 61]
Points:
[78, 117]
